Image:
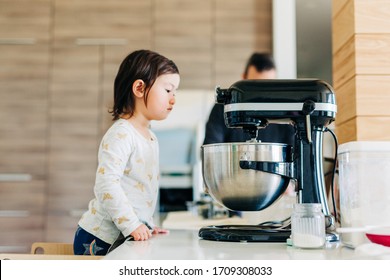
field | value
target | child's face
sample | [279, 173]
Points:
[162, 96]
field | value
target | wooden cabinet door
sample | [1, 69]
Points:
[241, 27]
[58, 61]
[91, 40]
[183, 32]
[24, 74]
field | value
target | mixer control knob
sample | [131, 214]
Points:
[308, 107]
[221, 95]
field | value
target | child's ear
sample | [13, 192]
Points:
[139, 88]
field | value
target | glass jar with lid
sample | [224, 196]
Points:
[308, 226]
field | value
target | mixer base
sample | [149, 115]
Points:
[244, 233]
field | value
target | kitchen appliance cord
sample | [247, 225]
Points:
[333, 173]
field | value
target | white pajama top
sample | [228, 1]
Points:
[126, 186]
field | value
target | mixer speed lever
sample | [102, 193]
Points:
[308, 108]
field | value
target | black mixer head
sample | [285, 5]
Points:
[251, 104]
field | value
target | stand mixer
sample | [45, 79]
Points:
[251, 176]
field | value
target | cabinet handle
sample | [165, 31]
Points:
[77, 213]
[14, 213]
[14, 249]
[101, 41]
[15, 177]
[17, 41]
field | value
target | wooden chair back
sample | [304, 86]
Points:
[52, 248]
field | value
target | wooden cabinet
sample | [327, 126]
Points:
[91, 39]
[183, 32]
[23, 142]
[22, 205]
[58, 61]
[211, 40]
[24, 72]
[78, 118]
[74, 110]
[240, 28]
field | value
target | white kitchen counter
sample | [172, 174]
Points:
[186, 245]
[183, 243]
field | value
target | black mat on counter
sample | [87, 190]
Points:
[244, 233]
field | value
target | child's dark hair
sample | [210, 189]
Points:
[142, 64]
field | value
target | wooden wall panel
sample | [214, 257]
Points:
[346, 131]
[112, 57]
[373, 95]
[23, 91]
[21, 232]
[338, 5]
[372, 16]
[359, 17]
[373, 128]
[25, 196]
[25, 19]
[344, 63]
[346, 101]
[343, 23]
[372, 54]
[215, 52]
[74, 129]
[22, 206]
[361, 69]
[364, 129]
[363, 54]
[24, 74]
[65, 228]
[185, 37]
[363, 95]
[235, 24]
[102, 19]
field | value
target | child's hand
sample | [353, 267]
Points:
[158, 230]
[141, 233]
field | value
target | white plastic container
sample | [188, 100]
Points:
[364, 186]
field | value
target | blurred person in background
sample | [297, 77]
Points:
[259, 66]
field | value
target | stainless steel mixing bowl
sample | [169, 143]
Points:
[241, 189]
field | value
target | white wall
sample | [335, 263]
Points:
[191, 111]
[191, 107]
[284, 38]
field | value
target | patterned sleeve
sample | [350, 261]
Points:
[114, 152]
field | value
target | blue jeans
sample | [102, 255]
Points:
[87, 244]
